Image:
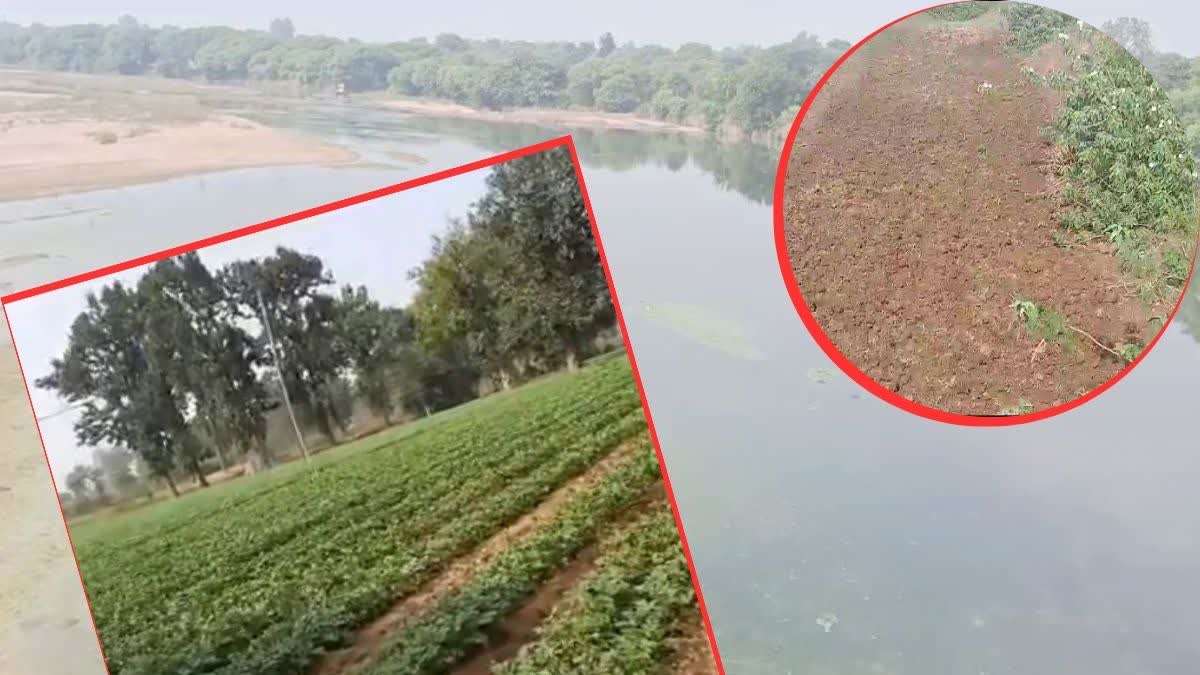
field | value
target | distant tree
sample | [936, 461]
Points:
[282, 28]
[78, 483]
[115, 466]
[1132, 34]
[227, 55]
[1170, 70]
[605, 45]
[451, 42]
[126, 47]
[619, 92]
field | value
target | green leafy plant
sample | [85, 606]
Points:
[1130, 351]
[1130, 166]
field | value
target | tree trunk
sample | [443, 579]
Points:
[171, 483]
[216, 445]
[199, 472]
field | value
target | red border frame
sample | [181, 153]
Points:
[566, 141]
[864, 380]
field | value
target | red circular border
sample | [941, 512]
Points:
[849, 368]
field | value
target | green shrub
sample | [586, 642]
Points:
[1031, 26]
[960, 11]
[1130, 166]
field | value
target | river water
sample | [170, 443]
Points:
[831, 532]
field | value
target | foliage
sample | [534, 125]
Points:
[960, 11]
[261, 584]
[302, 319]
[1031, 26]
[619, 619]
[1043, 323]
[519, 285]
[378, 343]
[1129, 167]
[464, 620]
[745, 88]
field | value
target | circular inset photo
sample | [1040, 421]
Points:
[985, 212]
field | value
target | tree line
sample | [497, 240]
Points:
[746, 88]
[1178, 75]
[183, 366]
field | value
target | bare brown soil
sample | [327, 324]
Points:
[920, 201]
[369, 641]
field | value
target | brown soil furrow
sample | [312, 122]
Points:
[919, 203]
[693, 655]
[368, 641]
[520, 627]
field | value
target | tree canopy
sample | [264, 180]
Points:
[183, 367]
[746, 88]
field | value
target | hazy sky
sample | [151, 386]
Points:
[373, 244]
[669, 22]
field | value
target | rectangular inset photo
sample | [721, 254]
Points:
[399, 433]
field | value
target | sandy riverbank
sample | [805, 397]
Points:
[564, 118]
[41, 599]
[45, 158]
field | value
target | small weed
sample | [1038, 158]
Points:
[1130, 351]
[1022, 408]
[1043, 323]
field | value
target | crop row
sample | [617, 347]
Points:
[262, 586]
[621, 618]
[463, 621]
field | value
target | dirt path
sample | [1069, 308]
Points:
[919, 203]
[370, 640]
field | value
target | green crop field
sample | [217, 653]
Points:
[264, 574]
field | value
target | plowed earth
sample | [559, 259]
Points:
[919, 202]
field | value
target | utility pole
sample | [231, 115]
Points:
[287, 401]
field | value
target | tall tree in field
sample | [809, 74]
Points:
[534, 204]
[214, 359]
[378, 341]
[303, 321]
[109, 372]
[462, 289]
